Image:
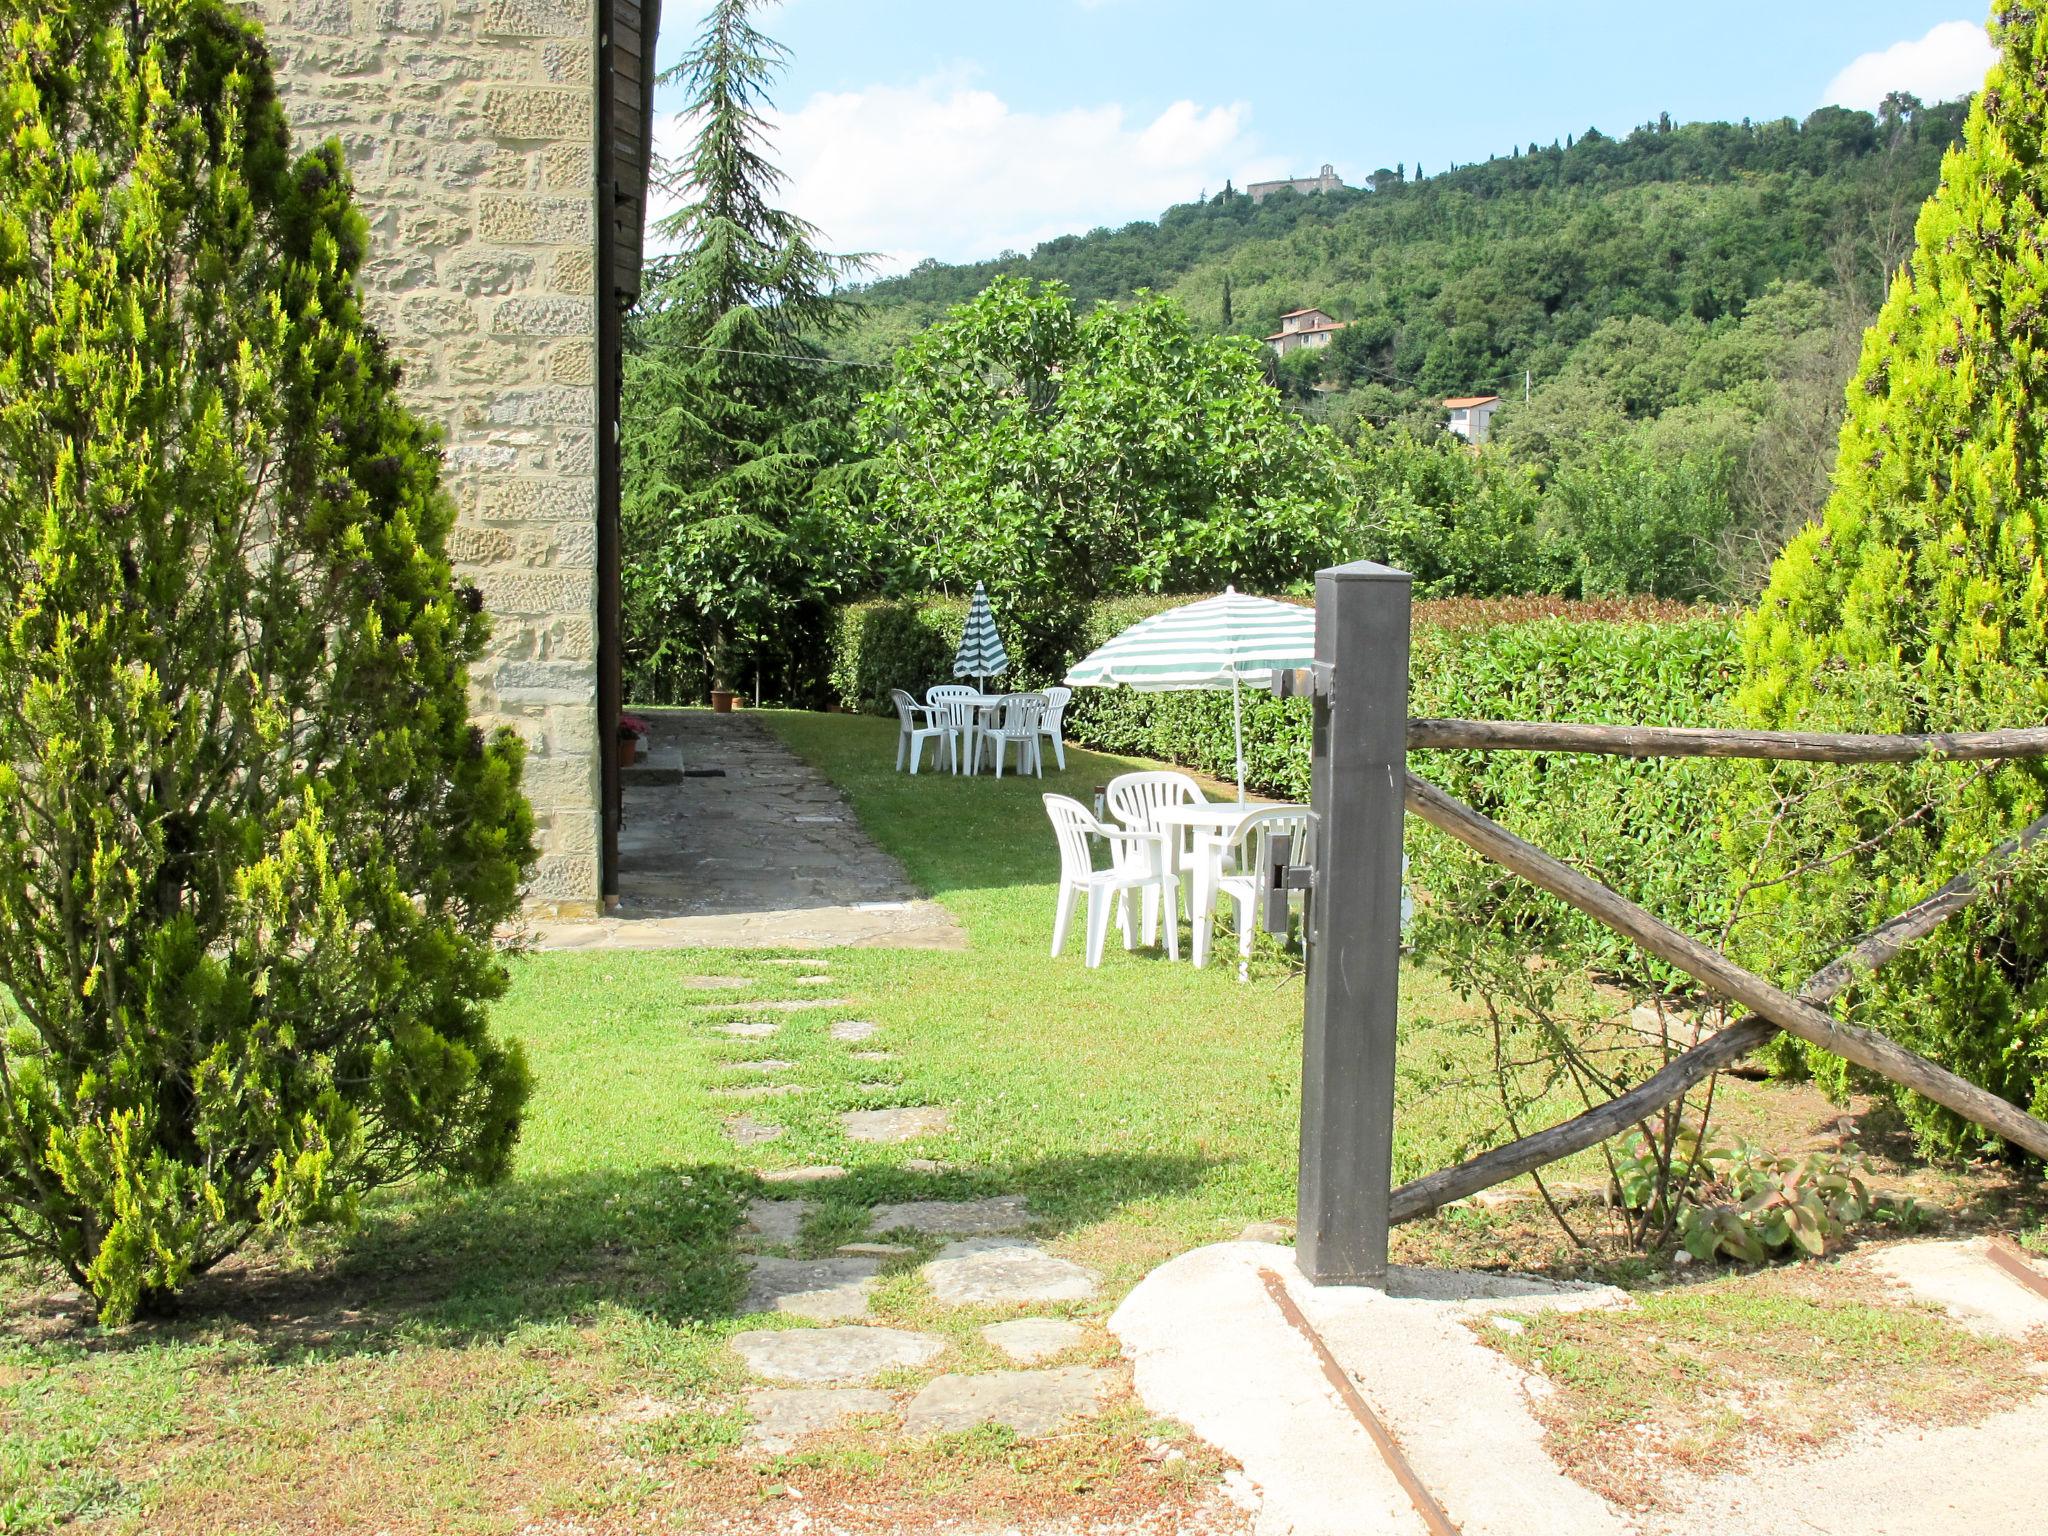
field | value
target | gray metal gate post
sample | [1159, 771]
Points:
[1359, 756]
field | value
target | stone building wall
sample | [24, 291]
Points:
[468, 127]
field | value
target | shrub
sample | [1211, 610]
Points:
[252, 851]
[1919, 603]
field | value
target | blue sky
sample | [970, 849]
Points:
[919, 128]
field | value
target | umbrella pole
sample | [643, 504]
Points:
[1237, 731]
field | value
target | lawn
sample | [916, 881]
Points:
[548, 1355]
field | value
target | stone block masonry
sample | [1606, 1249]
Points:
[468, 127]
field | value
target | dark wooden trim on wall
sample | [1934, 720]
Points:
[624, 138]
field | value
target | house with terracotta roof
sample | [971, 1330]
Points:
[1303, 328]
[1472, 415]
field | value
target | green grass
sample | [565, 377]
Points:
[468, 1360]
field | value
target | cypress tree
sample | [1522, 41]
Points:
[252, 850]
[1227, 316]
[1920, 602]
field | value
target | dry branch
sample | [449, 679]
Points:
[1721, 975]
[1677, 1077]
[1666, 741]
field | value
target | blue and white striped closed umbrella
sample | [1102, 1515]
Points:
[1219, 642]
[981, 654]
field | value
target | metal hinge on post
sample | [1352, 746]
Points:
[1317, 681]
[1285, 877]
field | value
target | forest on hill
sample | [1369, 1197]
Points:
[1462, 281]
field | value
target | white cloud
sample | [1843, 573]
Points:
[1948, 62]
[943, 168]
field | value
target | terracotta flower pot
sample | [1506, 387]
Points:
[629, 749]
[721, 701]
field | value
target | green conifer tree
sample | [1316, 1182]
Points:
[1227, 315]
[252, 850]
[730, 406]
[1920, 602]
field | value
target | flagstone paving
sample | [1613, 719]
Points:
[954, 1218]
[1028, 1340]
[759, 1091]
[850, 1030]
[821, 1356]
[746, 1131]
[823, 1290]
[813, 1173]
[1005, 1271]
[1030, 1402]
[764, 1064]
[888, 1126]
[784, 1415]
[749, 1029]
[730, 840]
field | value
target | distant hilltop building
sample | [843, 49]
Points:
[1472, 416]
[1303, 327]
[1327, 180]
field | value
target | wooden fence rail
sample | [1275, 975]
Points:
[1678, 1076]
[1672, 741]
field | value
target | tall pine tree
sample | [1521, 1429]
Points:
[1920, 602]
[730, 406]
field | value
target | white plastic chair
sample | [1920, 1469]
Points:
[1133, 797]
[911, 737]
[1017, 721]
[1056, 701]
[1243, 874]
[1136, 864]
[949, 702]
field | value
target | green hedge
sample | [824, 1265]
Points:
[1649, 828]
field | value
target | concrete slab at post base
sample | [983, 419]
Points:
[1210, 1348]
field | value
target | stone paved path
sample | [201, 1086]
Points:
[765, 854]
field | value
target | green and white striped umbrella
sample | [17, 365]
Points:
[981, 654]
[1219, 642]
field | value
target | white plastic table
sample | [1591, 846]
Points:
[983, 705]
[1212, 825]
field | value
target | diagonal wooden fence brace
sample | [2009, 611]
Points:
[1719, 974]
[1420, 1197]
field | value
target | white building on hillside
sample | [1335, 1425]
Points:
[1303, 328]
[1472, 416]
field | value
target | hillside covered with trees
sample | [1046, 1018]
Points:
[1458, 282]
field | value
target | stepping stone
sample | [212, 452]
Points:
[833, 1354]
[788, 1005]
[1030, 1402]
[889, 1126]
[716, 983]
[875, 1250]
[823, 1290]
[1004, 1271]
[1028, 1340]
[799, 960]
[872, 1086]
[954, 1218]
[750, 1029]
[871, 1055]
[814, 1173]
[924, 1165]
[812, 981]
[776, 1220]
[853, 1029]
[759, 1091]
[784, 1415]
[746, 1131]
[765, 1064]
